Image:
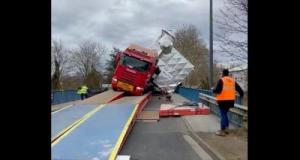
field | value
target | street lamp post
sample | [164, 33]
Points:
[210, 77]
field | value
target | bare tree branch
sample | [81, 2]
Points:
[188, 42]
[59, 59]
[232, 25]
[86, 60]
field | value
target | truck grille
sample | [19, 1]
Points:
[128, 77]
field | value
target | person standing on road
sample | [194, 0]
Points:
[225, 96]
[84, 90]
[79, 91]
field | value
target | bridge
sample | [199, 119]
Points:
[110, 125]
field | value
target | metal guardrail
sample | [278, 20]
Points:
[193, 94]
[237, 115]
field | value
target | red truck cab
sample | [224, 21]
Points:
[134, 70]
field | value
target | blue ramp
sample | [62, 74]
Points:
[64, 118]
[96, 137]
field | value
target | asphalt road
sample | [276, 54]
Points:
[163, 140]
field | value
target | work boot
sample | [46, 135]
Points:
[220, 133]
[226, 130]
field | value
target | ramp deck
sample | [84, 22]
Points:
[101, 134]
[65, 118]
[97, 137]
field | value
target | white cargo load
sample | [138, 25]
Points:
[174, 67]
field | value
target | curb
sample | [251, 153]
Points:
[202, 142]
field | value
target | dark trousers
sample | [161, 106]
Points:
[224, 108]
[224, 118]
[82, 96]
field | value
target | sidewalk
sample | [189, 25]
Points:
[230, 147]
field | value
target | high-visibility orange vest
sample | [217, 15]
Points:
[228, 90]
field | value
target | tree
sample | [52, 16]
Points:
[232, 30]
[86, 62]
[59, 60]
[188, 42]
[111, 65]
[94, 78]
[71, 82]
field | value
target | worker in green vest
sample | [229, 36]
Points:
[83, 92]
[79, 91]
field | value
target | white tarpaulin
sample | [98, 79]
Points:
[174, 67]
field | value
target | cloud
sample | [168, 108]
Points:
[121, 22]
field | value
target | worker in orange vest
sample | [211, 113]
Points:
[225, 92]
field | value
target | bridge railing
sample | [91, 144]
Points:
[64, 96]
[238, 115]
[193, 94]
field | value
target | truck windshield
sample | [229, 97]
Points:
[134, 63]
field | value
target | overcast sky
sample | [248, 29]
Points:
[122, 22]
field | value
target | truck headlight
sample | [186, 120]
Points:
[139, 88]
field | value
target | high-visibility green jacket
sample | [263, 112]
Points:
[84, 89]
[79, 91]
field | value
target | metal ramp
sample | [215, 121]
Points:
[98, 137]
[63, 119]
[101, 132]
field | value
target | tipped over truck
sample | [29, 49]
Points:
[135, 70]
[138, 69]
